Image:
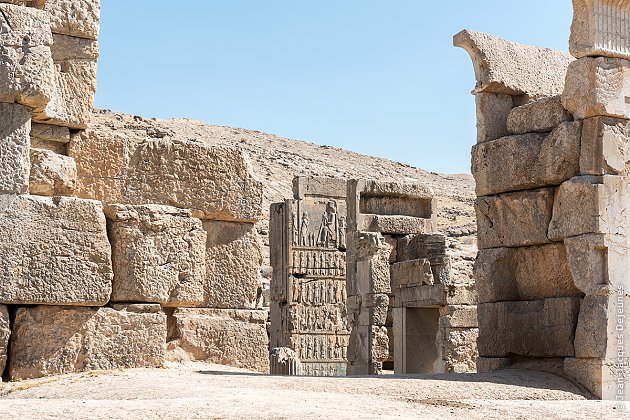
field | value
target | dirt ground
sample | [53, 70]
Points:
[198, 390]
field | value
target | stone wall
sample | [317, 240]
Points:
[404, 307]
[551, 171]
[111, 246]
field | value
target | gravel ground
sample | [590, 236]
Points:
[197, 390]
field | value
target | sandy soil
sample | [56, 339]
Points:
[197, 390]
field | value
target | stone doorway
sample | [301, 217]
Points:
[415, 338]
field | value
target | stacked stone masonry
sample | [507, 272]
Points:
[405, 311]
[113, 253]
[552, 184]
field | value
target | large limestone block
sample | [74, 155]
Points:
[514, 219]
[540, 328]
[492, 114]
[230, 337]
[412, 247]
[52, 340]
[25, 41]
[369, 271]
[50, 133]
[233, 260]
[78, 18]
[508, 68]
[459, 316]
[605, 147]
[606, 379]
[75, 83]
[599, 263]
[411, 273]
[158, 254]
[216, 183]
[396, 225]
[525, 273]
[597, 334]
[5, 333]
[527, 161]
[588, 204]
[597, 87]
[540, 116]
[459, 354]
[600, 28]
[51, 173]
[15, 125]
[53, 251]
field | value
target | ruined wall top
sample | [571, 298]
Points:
[600, 28]
[508, 68]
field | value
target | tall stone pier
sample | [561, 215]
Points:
[551, 166]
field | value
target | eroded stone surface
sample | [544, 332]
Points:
[514, 219]
[51, 133]
[524, 273]
[508, 68]
[600, 28]
[51, 340]
[540, 116]
[231, 337]
[492, 115]
[597, 87]
[605, 148]
[216, 183]
[527, 161]
[158, 255]
[15, 125]
[78, 18]
[5, 333]
[53, 251]
[51, 173]
[541, 328]
[25, 41]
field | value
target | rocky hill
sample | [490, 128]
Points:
[277, 160]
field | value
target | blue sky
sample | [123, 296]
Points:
[379, 77]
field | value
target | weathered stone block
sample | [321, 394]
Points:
[374, 309]
[599, 263]
[541, 328]
[597, 334]
[605, 147]
[25, 41]
[527, 161]
[53, 251]
[459, 353]
[541, 116]
[216, 183]
[588, 204]
[514, 219]
[51, 173]
[525, 273]
[233, 259]
[158, 255]
[597, 87]
[51, 133]
[396, 225]
[492, 364]
[5, 333]
[78, 18]
[508, 68]
[230, 337]
[371, 263]
[414, 247]
[600, 28]
[605, 379]
[459, 316]
[51, 340]
[492, 115]
[15, 124]
[412, 272]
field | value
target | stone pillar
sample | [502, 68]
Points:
[308, 287]
[552, 270]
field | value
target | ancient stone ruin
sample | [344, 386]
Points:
[308, 287]
[551, 168]
[405, 309]
[113, 248]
